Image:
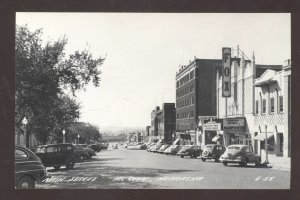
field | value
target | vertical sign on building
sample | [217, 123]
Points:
[226, 72]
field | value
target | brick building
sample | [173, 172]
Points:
[195, 96]
[163, 122]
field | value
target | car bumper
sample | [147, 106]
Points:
[228, 160]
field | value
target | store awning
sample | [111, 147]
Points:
[176, 141]
[216, 138]
[262, 136]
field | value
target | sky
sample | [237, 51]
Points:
[144, 50]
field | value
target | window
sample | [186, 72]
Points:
[256, 107]
[280, 104]
[192, 88]
[51, 149]
[264, 106]
[272, 105]
[192, 100]
[19, 154]
[192, 74]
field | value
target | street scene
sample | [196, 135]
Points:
[138, 169]
[153, 101]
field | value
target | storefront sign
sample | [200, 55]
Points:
[212, 126]
[234, 124]
[226, 74]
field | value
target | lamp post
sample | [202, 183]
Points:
[24, 122]
[266, 142]
[64, 133]
[78, 136]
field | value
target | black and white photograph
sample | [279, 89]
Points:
[120, 100]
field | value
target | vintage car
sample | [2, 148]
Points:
[114, 146]
[156, 147]
[193, 151]
[90, 151]
[172, 150]
[56, 155]
[163, 148]
[96, 147]
[28, 168]
[242, 154]
[80, 153]
[212, 151]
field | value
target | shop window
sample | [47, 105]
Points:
[280, 104]
[256, 107]
[272, 105]
[264, 106]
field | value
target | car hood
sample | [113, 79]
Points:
[231, 153]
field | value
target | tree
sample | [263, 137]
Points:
[86, 131]
[43, 74]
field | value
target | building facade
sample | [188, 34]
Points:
[195, 96]
[256, 106]
[163, 122]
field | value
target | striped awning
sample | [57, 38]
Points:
[262, 136]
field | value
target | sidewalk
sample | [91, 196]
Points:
[277, 162]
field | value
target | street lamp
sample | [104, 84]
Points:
[266, 142]
[24, 122]
[78, 136]
[64, 133]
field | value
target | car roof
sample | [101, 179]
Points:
[238, 145]
[50, 145]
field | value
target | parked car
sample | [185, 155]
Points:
[115, 146]
[212, 151]
[190, 150]
[163, 148]
[242, 154]
[156, 147]
[104, 145]
[95, 147]
[80, 153]
[173, 150]
[56, 155]
[90, 151]
[28, 168]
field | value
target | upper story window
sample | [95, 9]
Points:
[264, 106]
[192, 74]
[192, 100]
[192, 88]
[272, 107]
[280, 104]
[256, 107]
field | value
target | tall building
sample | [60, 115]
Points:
[163, 122]
[195, 96]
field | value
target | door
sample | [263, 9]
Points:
[51, 156]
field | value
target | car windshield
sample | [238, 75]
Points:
[41, 150]
[233, 148]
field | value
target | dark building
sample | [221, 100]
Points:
[163, 122]
[148, 131]
[195, 94]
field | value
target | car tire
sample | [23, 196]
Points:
[70, 163]
[225, 163]
[56, 167]
[26, 182]
[203, 159]
[182, 156]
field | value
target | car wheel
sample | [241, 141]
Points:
[57, 167]
[26, 182]
[182, 156]
[225, 163]
[203, 159]
[70, 163]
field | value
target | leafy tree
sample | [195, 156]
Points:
[86, 131]
[43, 74]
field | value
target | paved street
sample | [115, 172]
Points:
[139, 169]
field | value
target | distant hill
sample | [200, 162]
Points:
[115, 130]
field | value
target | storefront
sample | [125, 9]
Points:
[212, 133]
[234, 130]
